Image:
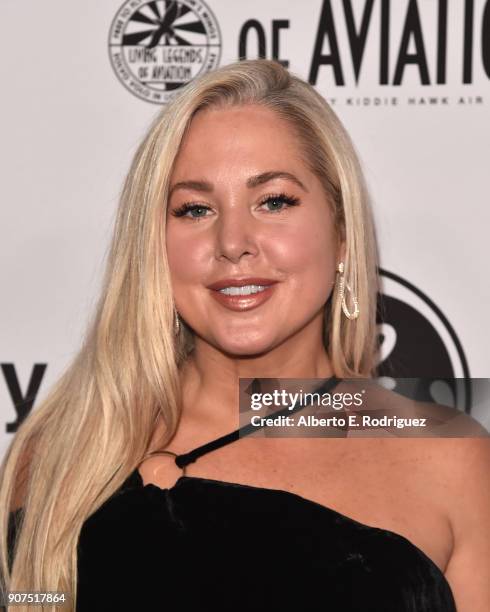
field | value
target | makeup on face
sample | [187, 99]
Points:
[250, 236]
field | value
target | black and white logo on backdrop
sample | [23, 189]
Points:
[157, 47]
[421, 355]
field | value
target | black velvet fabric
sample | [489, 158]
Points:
[206, 544]
[210, 545]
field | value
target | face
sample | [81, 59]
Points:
[245, 206]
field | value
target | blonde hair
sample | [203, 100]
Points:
[95, 426]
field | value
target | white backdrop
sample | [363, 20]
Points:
[70, 125]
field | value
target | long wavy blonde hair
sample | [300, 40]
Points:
[95, 426]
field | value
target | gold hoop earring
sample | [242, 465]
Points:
[342, 285]
[176, 323]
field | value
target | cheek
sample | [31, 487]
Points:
[186, 256]
[306, 251]
[305, 259]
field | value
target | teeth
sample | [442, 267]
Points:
[245, 290]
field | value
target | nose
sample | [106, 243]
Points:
[236, 234]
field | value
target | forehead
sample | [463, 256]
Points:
[247, 138]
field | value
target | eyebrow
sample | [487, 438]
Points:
[253, 181]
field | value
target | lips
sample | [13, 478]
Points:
[240, 303]
[240, 282]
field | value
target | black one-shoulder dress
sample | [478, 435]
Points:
[209, 545]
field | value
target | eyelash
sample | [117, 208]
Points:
[187, 206]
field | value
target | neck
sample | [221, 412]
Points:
[210, 377]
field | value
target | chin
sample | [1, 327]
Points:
[245, 347]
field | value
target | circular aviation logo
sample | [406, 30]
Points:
[157, 47]
[421, 355]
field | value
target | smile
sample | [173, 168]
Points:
[243, 298]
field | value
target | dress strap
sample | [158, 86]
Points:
[183, 460]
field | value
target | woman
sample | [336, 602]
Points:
[246, 179]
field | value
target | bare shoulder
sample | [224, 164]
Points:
[465, 467]
[418, 419]
[446, 457]
[450, 422]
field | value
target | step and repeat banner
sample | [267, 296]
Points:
[409, 79]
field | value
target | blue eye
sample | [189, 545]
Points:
[280, 198]
[275, 199]
[185, 208]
